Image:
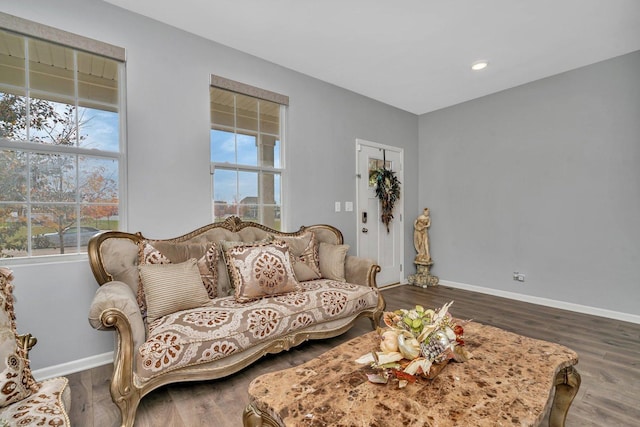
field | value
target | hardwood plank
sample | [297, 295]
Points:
[104, 411]
[81, 386]
[609, 352]
[159, 409]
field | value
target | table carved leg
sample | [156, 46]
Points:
[253, 417]
[567, 385]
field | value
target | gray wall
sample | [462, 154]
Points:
[543, 179]
[168, 150]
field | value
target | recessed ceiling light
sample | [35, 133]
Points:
[479, 65]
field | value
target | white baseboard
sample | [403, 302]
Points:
[594, 311]
[73, 366]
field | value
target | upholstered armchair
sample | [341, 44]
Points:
[23, 400]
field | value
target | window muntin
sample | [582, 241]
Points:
[246, 157]
[60, 154]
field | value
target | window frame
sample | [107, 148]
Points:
[238, 88]
[31, 30]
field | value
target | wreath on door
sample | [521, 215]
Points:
[387, 188]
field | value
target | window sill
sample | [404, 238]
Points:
[44, 259]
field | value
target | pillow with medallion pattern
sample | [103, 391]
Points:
[260, 270]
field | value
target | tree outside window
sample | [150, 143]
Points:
[59, 147]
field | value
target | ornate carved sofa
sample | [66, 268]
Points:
[259, 291]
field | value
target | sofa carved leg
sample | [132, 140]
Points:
[376, 316]
[128, 407]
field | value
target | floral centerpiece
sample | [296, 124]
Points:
[416, 343]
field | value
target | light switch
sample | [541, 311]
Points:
[348, 206]
[337, 206]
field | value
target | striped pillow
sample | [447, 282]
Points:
[169, 288]
[207, 264]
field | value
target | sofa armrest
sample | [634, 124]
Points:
[114, 306]
[116, 299]
[361, 271]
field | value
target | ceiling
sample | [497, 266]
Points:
[413, 54]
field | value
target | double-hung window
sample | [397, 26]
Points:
[61, 148]
[246, 152]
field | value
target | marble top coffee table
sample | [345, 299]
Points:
[508, 382]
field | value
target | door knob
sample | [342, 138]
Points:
[365, 230]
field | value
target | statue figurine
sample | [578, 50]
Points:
[421, 237]
[423, 260]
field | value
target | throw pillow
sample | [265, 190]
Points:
[147, 254]
[16, 381]
[225, 284]
[163, 296]
[207, 254]
[259, 270]
[304, 249]
[207, 266]
[332, 259]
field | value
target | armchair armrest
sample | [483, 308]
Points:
[115, 305]
[26, 341]
[361, 271]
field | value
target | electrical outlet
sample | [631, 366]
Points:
[348, 206]
[337, 206]
[518, 277]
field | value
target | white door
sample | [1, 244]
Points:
[373, 239]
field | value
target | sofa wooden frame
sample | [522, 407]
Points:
[126, 393]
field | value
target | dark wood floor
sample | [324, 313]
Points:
[609, 352]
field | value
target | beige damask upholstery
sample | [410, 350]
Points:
[203, 335]
[227, 333]
[23, 400]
